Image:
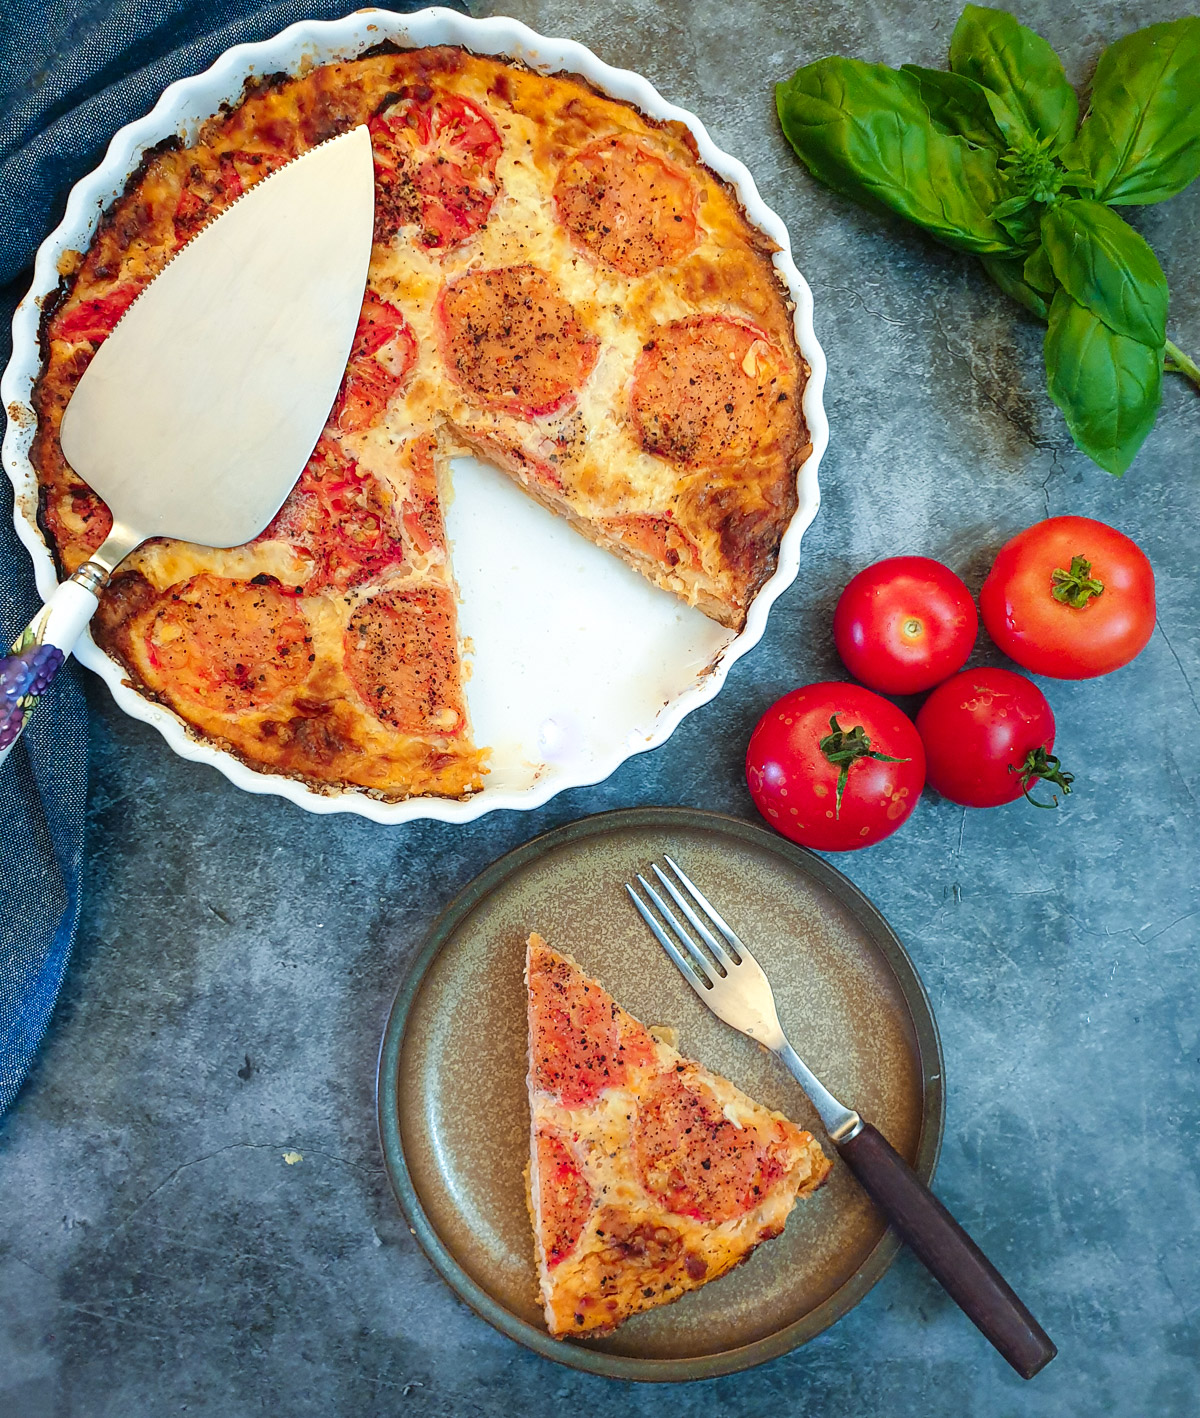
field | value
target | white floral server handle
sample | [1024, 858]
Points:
[42, 648]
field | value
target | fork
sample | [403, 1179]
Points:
[733, 985]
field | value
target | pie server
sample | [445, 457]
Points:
[199, 411]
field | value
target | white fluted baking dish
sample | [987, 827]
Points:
[564, 688]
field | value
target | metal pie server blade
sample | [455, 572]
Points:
[197, 414]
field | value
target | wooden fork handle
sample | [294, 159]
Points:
[949, 1254]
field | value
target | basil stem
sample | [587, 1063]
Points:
[1179, 363]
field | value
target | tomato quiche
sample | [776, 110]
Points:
[557, 285]
[649, 1176]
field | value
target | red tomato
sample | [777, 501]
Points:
[905, 624]
[1069, 597]
[988, 736]
[834, 766]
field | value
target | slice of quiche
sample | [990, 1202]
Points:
[649, 1175]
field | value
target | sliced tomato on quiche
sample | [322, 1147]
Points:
[93, 319]
[649, 1175]
[658, 539]
[628, 204]
[711, 390]
[345, 522]
[209, 186]
[187, 636]
[424, 527]
[381, 359]
[513, 341]
[401, 655]
[435, 167]
[566, 1198]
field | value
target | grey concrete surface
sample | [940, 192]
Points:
[157, 1253]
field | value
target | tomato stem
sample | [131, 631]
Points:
[1077, 586]
[1041, 766]
[842, 749]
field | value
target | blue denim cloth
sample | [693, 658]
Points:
[43, 801]
[71, 73]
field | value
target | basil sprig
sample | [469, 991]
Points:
[990, 158]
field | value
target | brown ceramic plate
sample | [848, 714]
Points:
[453, 1117]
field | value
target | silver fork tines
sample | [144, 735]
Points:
[695, 974]
[703, 902]
[726, 976]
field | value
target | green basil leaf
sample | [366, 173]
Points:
[1039, 272]
[1140, 140]
[1081, 181]
[1006, 271]
[959, 105]
[1021, 217]
[1109, 387]
[1012, 62]
[863, 130]
[1108, 268]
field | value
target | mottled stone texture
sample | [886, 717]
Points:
[158, 1254]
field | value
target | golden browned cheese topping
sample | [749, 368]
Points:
[191, 638]
[709, 390]
[400, 658]
[511, 338]
[628, 205]
[556, 283]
